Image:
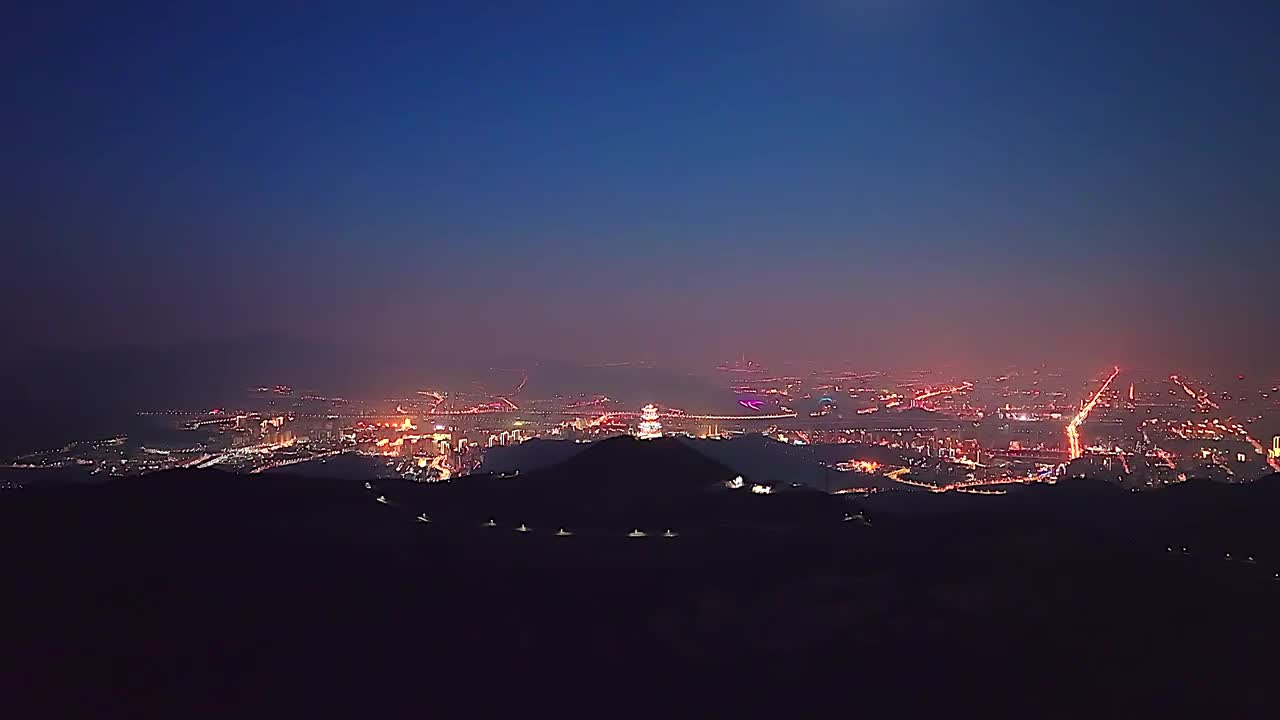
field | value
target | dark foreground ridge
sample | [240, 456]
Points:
[200, 592]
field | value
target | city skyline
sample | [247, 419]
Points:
[904, 430]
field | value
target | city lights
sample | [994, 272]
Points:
[1073, 427]
[953, 433]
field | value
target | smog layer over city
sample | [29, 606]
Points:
[684, 359]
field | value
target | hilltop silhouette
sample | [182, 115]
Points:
[200, 591]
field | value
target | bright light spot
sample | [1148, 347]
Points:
[863, 466]
[649, 428]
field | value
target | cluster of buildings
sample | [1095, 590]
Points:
[1150, 430]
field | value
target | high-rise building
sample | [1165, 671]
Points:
[1275, 448]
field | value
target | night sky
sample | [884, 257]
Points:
[924, 181]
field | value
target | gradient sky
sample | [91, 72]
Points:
[866, 180]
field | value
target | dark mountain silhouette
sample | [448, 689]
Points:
[529, 455]
[661, 466]
[764, 459]
[197, 591]
[618, 485]
[1270, 481]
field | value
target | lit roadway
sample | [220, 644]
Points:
[1202, 398]
[879, 422]
[493, 411]
[1073, 427]
[296, 461]
[963, 387]
[900, 476]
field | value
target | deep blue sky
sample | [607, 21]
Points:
[849, 179]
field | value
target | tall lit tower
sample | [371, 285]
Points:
[1275, 448]
[650, 428]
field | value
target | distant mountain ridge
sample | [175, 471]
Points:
[237, 591]
[766, 460]
[532, 454]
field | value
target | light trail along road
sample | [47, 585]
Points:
[1203, 400]
[1073, 427]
